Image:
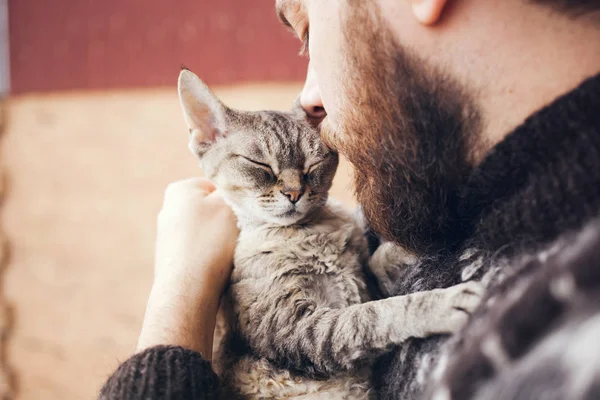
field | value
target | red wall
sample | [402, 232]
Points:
[99, 44]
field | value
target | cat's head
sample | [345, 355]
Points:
[270, 166]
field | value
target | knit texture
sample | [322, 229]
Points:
[537, 187]
[162, 372]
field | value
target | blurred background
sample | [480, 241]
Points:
[91, 135]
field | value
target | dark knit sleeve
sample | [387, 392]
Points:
[162, 372]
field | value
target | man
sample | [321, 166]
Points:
[474, 127]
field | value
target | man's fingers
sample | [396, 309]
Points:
[203, 184]
[216, 195]
[188, 185]
[206, 185]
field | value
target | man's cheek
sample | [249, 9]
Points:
[329, 81]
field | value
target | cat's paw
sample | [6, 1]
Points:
[388, 263]
[456, 304]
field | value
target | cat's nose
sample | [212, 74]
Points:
[310, 98]
[293, 195]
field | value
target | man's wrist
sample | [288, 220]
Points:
[181, 315]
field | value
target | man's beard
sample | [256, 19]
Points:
[411, 134]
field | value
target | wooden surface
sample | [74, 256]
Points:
[87, 175]
[99, 44]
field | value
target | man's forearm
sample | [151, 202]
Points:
[185, 319]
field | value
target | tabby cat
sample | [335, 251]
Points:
[301, 321]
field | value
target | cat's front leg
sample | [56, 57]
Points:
[447, 310]
[292, 331]
[388, 264]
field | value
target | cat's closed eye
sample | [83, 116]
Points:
[319, 163]
[314, 166]
[321, 171]
[257, 164]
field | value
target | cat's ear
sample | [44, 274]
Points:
[202, 110]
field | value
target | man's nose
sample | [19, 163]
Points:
[310, 99]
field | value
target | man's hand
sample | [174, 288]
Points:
[196, 238]
[196, 235]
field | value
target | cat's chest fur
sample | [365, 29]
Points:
[324, 258]
[316, 265]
